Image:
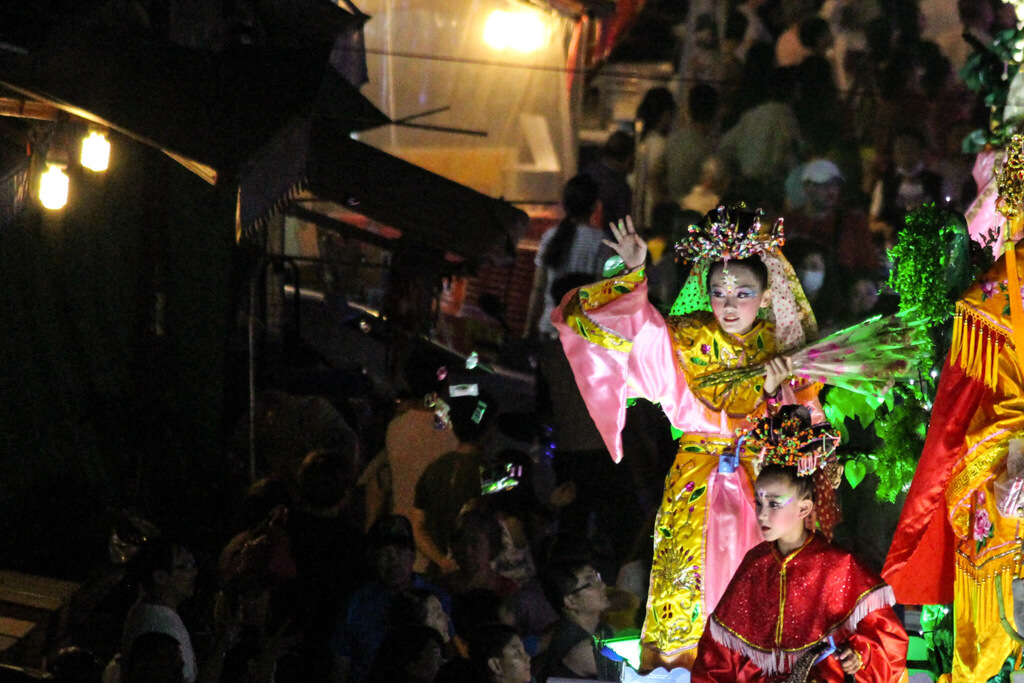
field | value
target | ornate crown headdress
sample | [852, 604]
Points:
[730, 233]
[789, 439]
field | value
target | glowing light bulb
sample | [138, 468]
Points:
[53, 188]
[95, 152]
[519, 31]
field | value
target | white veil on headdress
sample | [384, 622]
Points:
[737, 233]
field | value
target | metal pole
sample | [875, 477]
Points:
[253, 291]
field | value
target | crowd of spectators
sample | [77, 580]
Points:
[324, 580]
[836, 115]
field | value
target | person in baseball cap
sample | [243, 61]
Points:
[821, 171]
[391, 530]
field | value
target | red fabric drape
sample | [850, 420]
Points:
[612, 30]
[920, 563]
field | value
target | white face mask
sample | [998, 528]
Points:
[811, 280]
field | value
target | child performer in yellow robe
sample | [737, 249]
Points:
[742, 305]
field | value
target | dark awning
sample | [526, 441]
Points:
[209, 110]
[315, 170]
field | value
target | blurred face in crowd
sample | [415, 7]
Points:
[589, 595]
[177, 583]
[907, 153]
[184, 572]
[863, 296]
[424, 668]
[812, 273]
[513, 666]
[736, 297]
[473, 551]
[822, 197]
[393, 564]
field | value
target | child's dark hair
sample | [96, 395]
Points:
[559, 579]
[489, 642]
[656, 102]
[804, 485]
[155, 554]
[579, 198]
[752, 263]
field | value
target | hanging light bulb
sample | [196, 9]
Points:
[53, 188]
[520, 31]
[95, 152]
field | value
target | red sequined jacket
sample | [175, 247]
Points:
[777, 608]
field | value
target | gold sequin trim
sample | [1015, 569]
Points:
[585, 326]
[961, 484]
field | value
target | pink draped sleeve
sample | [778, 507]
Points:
[619, 347]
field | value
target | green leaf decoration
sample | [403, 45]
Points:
[613, 266]
[697, 493]
[714, 346]
[929, 236]
[698, 361]
[621, 289]
[676, 433]
[665, 531]
[581, 329]
[901, 437]
[760, 343]
[692, 449]
[843, 404]
[584, 294]
[855, 470]
[695, 615]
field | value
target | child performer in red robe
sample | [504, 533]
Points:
[799, 608]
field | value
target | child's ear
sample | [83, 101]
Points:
[804, 507]
[766, 298]
[494, 666]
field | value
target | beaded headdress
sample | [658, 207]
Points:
[788, 439]
[737, 233]
[730, 233]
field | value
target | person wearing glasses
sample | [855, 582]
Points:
[166, 572]
[576, 590]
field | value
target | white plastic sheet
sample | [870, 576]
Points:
[507, 77]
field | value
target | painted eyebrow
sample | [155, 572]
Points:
[774, 497]
[737, 285]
